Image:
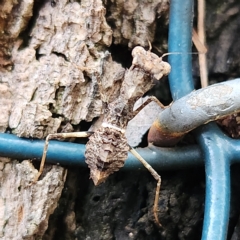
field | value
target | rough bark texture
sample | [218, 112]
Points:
[133, 22]
[50, 53]
[25, 207]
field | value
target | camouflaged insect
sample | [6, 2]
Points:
[107, 149]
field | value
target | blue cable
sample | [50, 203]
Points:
[217, 167]
[180, 41]
[72, 154]
[217, 201]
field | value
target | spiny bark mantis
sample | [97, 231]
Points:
[107, 148]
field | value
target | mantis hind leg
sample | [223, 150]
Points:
[57, 136]
[156, 176]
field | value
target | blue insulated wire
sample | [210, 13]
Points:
[66, 153]
[217, 167]
[180, 41]
[217, 200]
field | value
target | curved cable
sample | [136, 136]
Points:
[217, 201]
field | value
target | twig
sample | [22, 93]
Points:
[201, 35]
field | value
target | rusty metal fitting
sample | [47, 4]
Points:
[158, 136]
